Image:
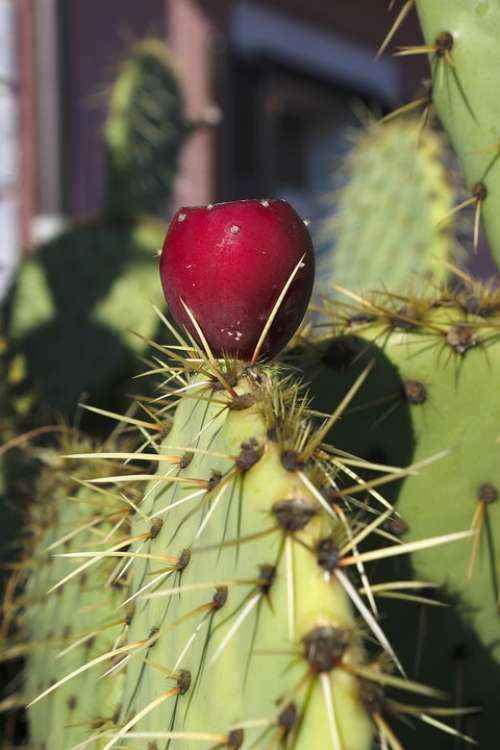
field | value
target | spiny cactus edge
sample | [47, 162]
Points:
[239, 563]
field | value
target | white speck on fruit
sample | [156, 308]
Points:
[210, 206]
[238, 335]
[307, 222]
[302, 265]
[181, 217]
[234, 229]
[265, 204]
[189, 266]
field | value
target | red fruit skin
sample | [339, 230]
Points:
[229, 263]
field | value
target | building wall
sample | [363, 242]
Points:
[94, 36]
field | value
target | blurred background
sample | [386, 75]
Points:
[286, 76]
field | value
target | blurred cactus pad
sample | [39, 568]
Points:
[144, 131]
[79, 300]
[386, 223]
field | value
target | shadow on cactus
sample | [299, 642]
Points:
[444, 357]
[75, 306]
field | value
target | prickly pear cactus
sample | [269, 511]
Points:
[238, 560]
[254, 624]
[433, 387]
[144, 131]
[385, 227]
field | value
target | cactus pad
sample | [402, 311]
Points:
[433, 387]
[76, 304]
[66, 623]
[245, 571]
[462, 38]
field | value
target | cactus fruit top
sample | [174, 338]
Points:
[237, 266]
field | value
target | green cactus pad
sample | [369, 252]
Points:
[385, 227]
[434, 387]
[242, 683]
[465, 67]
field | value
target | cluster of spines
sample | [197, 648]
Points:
[432, 387]
[321, 514]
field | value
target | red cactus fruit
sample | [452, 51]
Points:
[228, 264]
